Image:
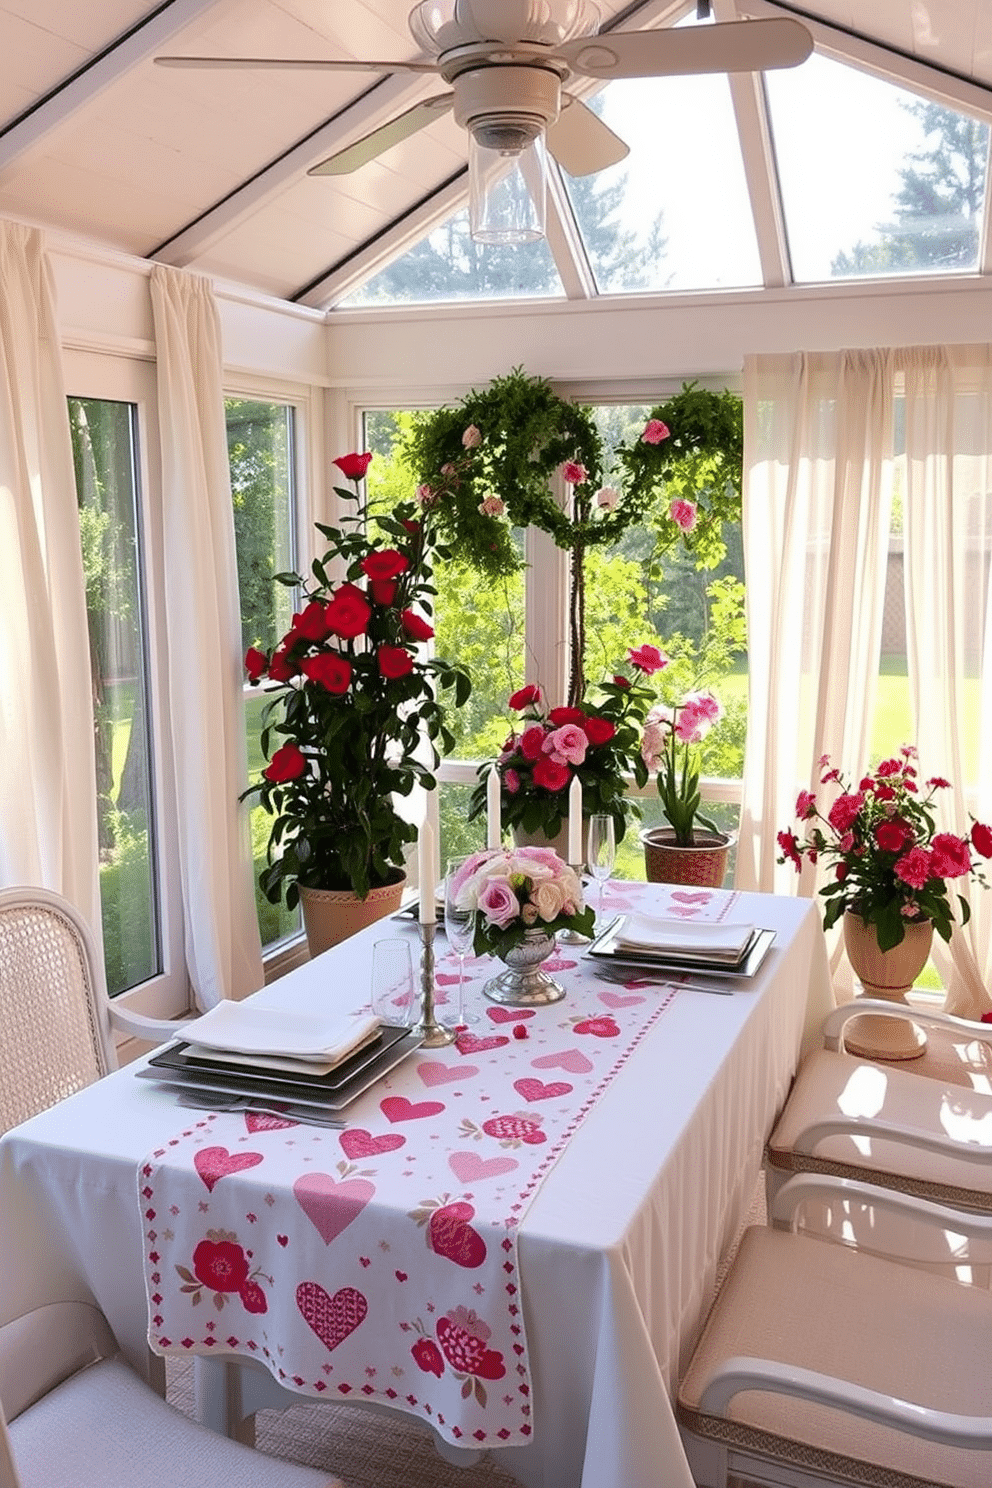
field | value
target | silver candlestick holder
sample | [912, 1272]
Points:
[573, 937]
[433, 1034]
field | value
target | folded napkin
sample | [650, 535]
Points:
[241, 1028]
[675, 937]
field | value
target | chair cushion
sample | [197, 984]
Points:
[831, 1084]
[856, 1317]
[105, 1428]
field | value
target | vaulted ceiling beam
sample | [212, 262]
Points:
[105, 68]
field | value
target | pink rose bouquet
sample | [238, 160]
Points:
[511, 892]
[890, 864]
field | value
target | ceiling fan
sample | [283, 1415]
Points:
[507, 64]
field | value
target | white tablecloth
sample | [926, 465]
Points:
[619, 1249]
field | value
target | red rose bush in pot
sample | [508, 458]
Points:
[355, 718]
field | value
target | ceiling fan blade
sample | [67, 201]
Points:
[299, 64]
[581, 142]
[728, 46]
[382, 139]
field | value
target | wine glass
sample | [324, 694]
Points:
[459, 927]
[392, 981]
[601, 853]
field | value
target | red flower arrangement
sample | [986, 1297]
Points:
[891, 866]
[352, 703]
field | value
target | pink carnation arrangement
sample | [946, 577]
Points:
[513, 891]
[890, 863]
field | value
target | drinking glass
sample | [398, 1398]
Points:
[459, 927]
[392, 993]
[601, 853]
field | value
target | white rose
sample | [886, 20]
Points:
[548, 899]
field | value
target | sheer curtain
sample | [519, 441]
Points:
[223, 951]
[818, 436]
[48, 826]
[948, 521]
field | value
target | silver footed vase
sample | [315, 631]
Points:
[523, 983]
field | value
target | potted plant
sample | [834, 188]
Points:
[598, 741]
[890, 885]
[683, 852]
[354, 719]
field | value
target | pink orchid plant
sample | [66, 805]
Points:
[891, 866]
[671, 732]
[511, 892]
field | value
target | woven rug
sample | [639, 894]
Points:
[374, 1451]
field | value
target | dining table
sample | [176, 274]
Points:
[619, 1209]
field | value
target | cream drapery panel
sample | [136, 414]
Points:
[48, 823]
[222, 946]
[817, 492]
[948, 524]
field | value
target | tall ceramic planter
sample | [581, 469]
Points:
[703, 865]
[331, 915]
[888, 975]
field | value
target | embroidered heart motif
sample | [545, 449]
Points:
[535, 1090]
[469, 1167]
[283, 1240]
[683, 914]
[331, 1318]
[214, 1163]
[572, 1060]
[557, 963]
[446, 979]
[357, 1142]
[257, 1121]
[471, 1043]
[601, 1027]
[691, 896]
[433, 1073]
[330, 1207]
[617, 1000]
[398, 1108]
[509, 1015]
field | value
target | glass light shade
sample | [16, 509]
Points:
[507, 192]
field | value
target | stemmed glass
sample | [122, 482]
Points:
[392, 991]
[459, 927]
[601, 853]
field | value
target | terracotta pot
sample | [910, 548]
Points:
[703, 864]
[889, 975]
[331, 915]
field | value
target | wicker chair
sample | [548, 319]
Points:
[821, 1363]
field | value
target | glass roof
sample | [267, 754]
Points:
[874, 180]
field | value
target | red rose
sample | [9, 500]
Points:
[221, 1265]
[428, 1356]
[383, 591]
[621, 682]
[551, 776]
[386, 564]
[532, 742]
[280, 667]
[311, 623]
[353, 466]
[416, 628]
[599, 730]
[288, 763]
[526, 697]
[411, 526]
[559, 716]
[394, 661]
[256, 663]
[332, 672]
[981, 839]
[348, 613]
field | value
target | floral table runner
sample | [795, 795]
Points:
[380, 1260]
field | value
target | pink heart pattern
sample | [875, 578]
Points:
[572, 1060]
[331, 1318]
[691, 896]
[617, 999]
[214, 1163]
[469, 1167]
[398, 1108]
[509, 1015]
[330, 1207]
[536, 1090]
[432, 1072]
[259, 1121]
[470, 1043]
[356, 1142]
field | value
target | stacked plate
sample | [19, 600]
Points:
[275, 1056]
[642, 940]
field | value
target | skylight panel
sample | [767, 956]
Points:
[675, 214]
[875, 180]
[447, 266]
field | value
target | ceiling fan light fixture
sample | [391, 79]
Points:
[508, 190]
[438, 26]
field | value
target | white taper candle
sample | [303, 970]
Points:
[428, 900]
[575, 821]
[494, 827]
